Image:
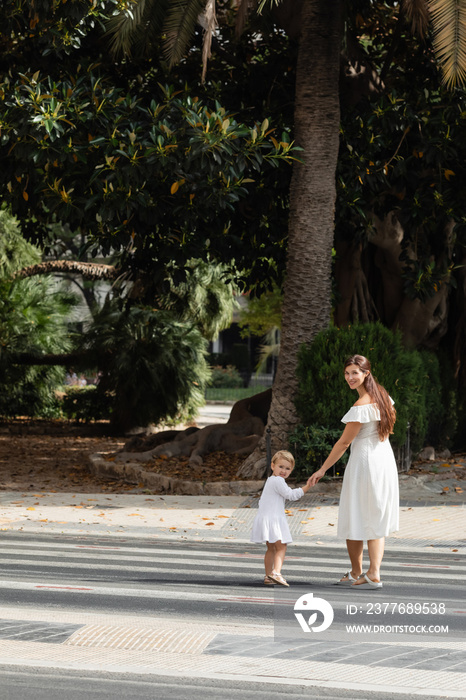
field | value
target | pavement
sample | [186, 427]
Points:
[432, 518]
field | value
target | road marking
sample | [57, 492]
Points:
[66, 588]
[73, 560]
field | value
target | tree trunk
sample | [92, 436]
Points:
[307, 293]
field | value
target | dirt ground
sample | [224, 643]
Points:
[53, 456]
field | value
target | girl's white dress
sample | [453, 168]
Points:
[270, 522]
[369, 500]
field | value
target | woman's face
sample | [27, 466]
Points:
[355, 376]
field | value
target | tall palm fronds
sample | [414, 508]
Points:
[175, 20]
[206, 298]
[449, 37]
[33, 316]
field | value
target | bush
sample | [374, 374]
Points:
[225, 378]
[86, 404]
[30, 391]
[310, 446]
[412, 379]
[153, 365]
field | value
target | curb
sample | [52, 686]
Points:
[136, 474]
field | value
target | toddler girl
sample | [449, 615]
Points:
[270, 523]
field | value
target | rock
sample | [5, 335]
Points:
[427, 454]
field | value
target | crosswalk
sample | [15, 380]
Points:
[210, 598]
[107, 565]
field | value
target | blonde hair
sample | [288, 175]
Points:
[283, 454]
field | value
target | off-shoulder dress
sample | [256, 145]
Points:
[369, 500]
[270, 522]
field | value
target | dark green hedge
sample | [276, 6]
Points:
[412, 378]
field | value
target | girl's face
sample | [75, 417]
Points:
[282, 468]
[355, 376]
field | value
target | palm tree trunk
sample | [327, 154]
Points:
[307, 294]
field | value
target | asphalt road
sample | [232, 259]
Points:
[35, 684]
[220, 584]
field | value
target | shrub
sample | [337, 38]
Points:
[412, 379]
[86, 404]
[310, 445]
[225, 378]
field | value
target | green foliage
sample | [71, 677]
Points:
[411, 378]
[162, 177]
[33, 315]
[206, 298]
[225, 378]
[310, 445]
[86, 404]
[262, 313]
[153, 364]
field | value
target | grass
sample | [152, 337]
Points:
[234, 394]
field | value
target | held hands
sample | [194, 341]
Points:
[312, 481]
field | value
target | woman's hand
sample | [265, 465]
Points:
[317, 476]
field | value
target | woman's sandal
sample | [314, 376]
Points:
[278, 578]
[349, 579]
[368, 585]
[268, 581]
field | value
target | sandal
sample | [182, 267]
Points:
[268, 581]
[369, 584]
[278, 578]
[349, 580]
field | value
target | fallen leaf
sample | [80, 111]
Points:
[223, 516]
[458, 489]
[332, 524]
[454, 550]
[446, 488]
[30, 508]
[435, 520]
[210, 523]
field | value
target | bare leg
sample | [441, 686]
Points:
[354, 548]
[375, 549]
[269, 558]
[280, 551]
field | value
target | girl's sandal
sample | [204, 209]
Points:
[278, 578]
[268, 581]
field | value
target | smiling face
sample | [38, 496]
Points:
[281, 467]
[355, 376]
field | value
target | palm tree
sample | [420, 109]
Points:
[307, 293]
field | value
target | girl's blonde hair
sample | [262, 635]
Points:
[283, 454]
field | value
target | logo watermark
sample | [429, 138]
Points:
[327, 614]
[307, 603]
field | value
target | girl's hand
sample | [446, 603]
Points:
[312, 481]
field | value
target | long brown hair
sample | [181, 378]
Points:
[378, 394]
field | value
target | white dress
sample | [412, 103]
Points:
[270, 522]
[369, 500]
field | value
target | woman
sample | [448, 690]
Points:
[369, 500]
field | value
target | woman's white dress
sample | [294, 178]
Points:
[369, 500]
[270, 522]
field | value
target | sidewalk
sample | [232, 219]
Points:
[440, 522]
